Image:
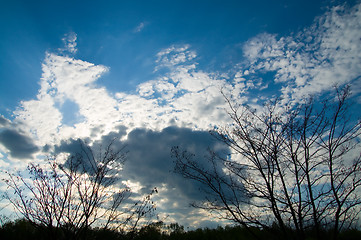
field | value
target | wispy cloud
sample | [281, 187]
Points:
[69, 41]
[174, 55]
[140, 27]
[311, 61]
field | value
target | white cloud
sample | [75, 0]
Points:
[313, 60]
[40, 118]
[146, 89]
[65, 78]
[174, 55]
[185, 95]
[69, 41]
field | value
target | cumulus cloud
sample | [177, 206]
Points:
[71, 146]
[183, 96]
[19, 145]
[149, 164]
[76, 146]
[188, 94]
[149, 151]
[16, 141]
[42, 118]
[66, 79]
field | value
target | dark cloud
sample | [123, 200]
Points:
[80, 146]
[19, 145]
[80, 154]
[83, 154]
[149, 158]
[118, 133]
[149, 162]
[71, 146]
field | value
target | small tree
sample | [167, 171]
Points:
[70, 197]
[296, 169]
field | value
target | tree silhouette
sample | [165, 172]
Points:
[67, 198]
[294, 169]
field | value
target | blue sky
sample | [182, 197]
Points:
[151, 72]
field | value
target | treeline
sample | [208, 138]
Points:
[22, 229]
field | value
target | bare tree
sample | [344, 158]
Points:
[69, 197]
[296, 169]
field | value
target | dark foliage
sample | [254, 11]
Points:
[25, 230]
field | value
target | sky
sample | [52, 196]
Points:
[152, 74]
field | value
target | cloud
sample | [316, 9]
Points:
[186, 93]
[181, 96]
[149, 164]
[77, 152]
[40, 117]
[174, 55]
[140, 27]
[65, 79]
[15, 140]
[185, 96]
[71, 146]
[76, 146]
[149, 153]
[313, 60]
[19, 145]
[69, 41]
[4, 122]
